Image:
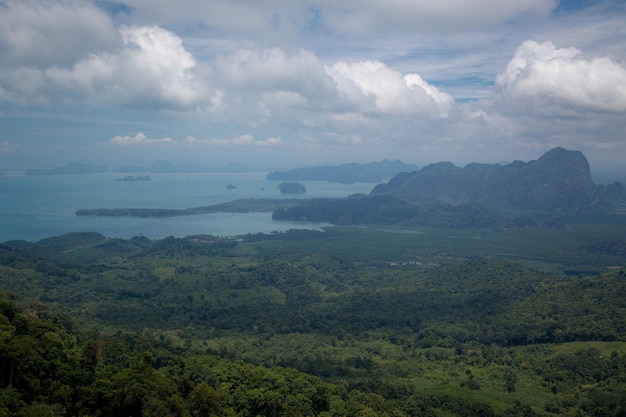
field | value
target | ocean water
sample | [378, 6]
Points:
[36, 207]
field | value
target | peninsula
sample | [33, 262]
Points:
[245, 205]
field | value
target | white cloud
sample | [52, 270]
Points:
[275, 87]
[544, 79]
[547, 97]
[139, 139]
[317, 78]
[371, 86]
[300, 72]
[7, 147]
[442, 101]
[153, 70]
[238, 141]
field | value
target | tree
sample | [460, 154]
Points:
[204, 400]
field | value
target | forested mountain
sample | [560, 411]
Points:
[492, 196]
[373, 172]
[338, 323]
[560, 180]
[386, 209]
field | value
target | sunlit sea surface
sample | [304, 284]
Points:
[36, 207]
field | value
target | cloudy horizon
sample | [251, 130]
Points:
[285, 84]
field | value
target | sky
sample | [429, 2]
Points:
[279, 84]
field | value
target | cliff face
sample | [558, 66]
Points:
[558, 180]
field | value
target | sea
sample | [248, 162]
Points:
[36, 207]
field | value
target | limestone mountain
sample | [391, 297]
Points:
[560, 180]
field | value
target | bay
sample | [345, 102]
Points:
[36, 207]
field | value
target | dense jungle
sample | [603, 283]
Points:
[352, 321]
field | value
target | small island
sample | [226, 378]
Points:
[130, 178]
[291, 188]
[231, 187]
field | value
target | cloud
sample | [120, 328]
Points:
[70, 52]
[153, 70]
[362, 17]
[47, 32]
[543, 79]
[139, 139]
[7, 147]
[23, 87]
[546, 97]
[271, 85]
[286, 20]
[293, 88]
[275, 69]
[372, 87]
[239, 141]
[313, 78]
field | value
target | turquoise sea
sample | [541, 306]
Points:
[36, 207]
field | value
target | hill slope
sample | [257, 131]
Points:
[219, 321]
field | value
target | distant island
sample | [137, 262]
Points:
[372, 172]
[130, 178]
[160, 167]
[165, 167]
[349, 173]
[69, 169]
[291, 188]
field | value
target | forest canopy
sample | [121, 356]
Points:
[349, 321]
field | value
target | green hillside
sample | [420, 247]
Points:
[350, 321]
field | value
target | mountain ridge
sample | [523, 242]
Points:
[559, 180]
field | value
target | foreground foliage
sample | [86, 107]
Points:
[347, 322]
[50, 369]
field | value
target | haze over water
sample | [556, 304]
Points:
[35, 207]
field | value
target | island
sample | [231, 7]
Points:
[130, 178]
[70, 169]
[244, 205]
[291, 188]
[372, 172]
